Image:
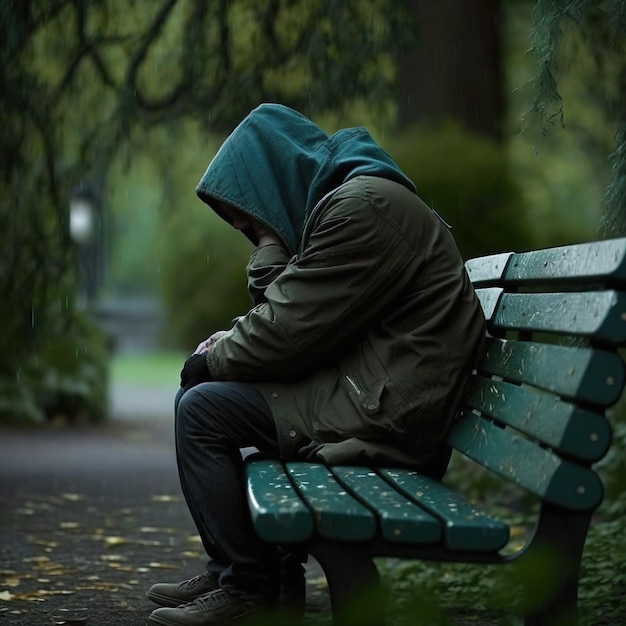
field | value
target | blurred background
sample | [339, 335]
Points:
[507, 114]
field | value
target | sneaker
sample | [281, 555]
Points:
[215, 607]
[292, 590]
[175, 594]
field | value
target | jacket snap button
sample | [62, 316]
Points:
[292, 433]
[274, 394]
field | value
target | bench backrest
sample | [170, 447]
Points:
[534, 411]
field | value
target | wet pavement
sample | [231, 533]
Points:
[90, 517]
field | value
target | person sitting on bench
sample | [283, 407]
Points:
[364, 330]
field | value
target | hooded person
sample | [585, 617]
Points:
[363, 332]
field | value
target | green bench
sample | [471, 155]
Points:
[534, 413]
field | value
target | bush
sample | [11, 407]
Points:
[203, 279]
[466, 178]
[65, 377]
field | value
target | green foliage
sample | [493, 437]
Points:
[203, 279]
[466, 178]
[562, 172]
[597, 30]
[81, 81]
[65, 377]
[136, 202]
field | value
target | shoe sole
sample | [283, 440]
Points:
[251, 615]
[161, 622]
[169, 602]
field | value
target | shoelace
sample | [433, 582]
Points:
[212, 600]
[194, 582]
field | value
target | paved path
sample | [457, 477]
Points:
[91, 517]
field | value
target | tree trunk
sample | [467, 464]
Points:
[455, 69]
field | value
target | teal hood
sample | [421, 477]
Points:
[277, 165]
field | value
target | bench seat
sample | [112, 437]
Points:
[360, 504]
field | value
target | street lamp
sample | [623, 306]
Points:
[86, 231]
[81, 219]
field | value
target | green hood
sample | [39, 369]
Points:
[277, 164]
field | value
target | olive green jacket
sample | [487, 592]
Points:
[361, 341]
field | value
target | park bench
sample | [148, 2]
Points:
[533, 413]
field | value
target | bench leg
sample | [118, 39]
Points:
[559, 541]
[354, 585]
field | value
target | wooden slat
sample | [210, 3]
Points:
[561, 425]
[581, 263]
[487, 269]
[400, 519]
[336, 513]
[586, 375]
[537, 469]
[464, 526]
[586, 263]
[489, 299]
[595, 314]
[278, 513]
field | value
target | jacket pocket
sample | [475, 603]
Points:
[366, 399]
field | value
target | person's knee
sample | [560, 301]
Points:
[196, 408]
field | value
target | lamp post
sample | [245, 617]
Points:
[87, 233]
[81, 220]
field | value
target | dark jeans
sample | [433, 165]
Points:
[214, 421]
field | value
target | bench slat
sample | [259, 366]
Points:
[595, 314]
[579, 263]
[599, 261]
[400, 519]
[278, 513]
[487, 269]
[537, 469]
[561, 425]
[336, 513]
[587, 375]
[464, 526]
[489, 299]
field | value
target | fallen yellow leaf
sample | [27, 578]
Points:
[37, 559]
[6, 595]
[112, 557]
[114, 541]
[156, 565]
[165, 498]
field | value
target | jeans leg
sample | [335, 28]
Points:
[213, 421]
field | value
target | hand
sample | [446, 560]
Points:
[205, 345]
[194, 372]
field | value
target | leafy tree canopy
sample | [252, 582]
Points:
[600, 26]
[84, 78]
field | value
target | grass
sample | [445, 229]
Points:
[153, 368]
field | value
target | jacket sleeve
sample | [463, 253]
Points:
[265, 265]
[352, 265]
